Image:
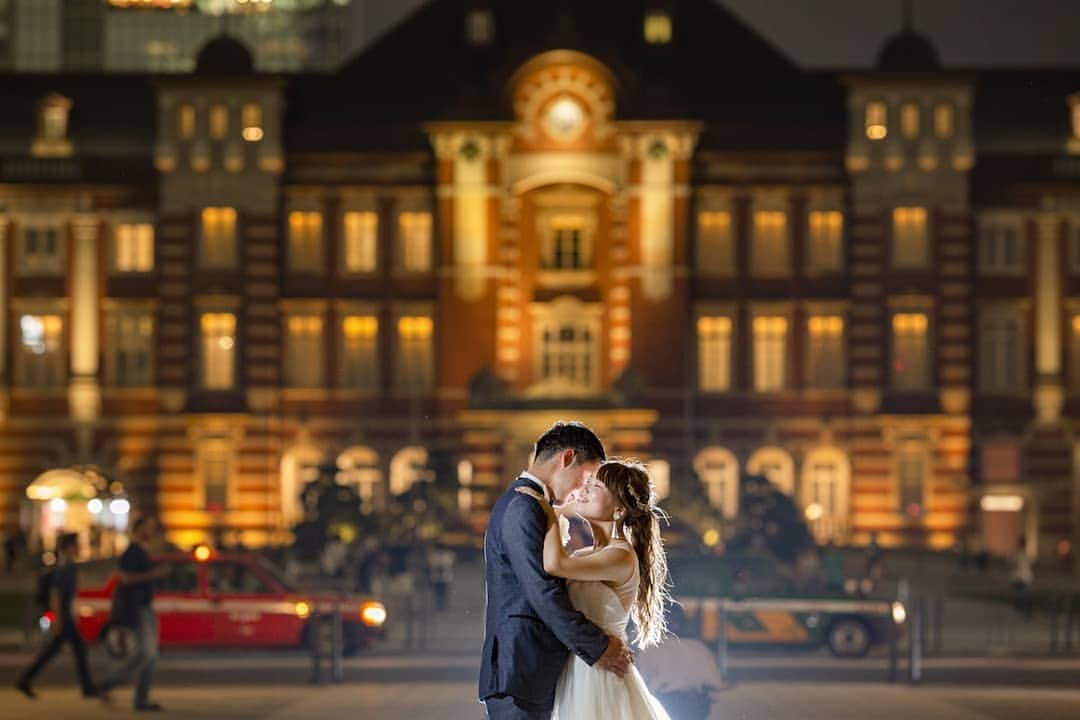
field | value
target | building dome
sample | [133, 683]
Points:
[908, 51]
[224, 55]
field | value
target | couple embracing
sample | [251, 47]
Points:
[555, 642]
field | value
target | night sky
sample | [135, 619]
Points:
[848, 33]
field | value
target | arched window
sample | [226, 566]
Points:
[299, 466]
[359, 467]
[408, 467]
[776, 464]
[826, 493]
[718, 470]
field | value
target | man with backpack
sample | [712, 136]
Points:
[56, 590]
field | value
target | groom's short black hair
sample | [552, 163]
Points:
[569, 436]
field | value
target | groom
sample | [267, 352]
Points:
[530, 626]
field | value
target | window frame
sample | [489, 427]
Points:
[402, 244]
[376, 264]
[306, 226]
[782, 311]
[61, 354]
[358, 310]
[715, 312]
[1004, 311]
[399, 381]
[811, 313]
[995, 221]
[812, 265]
[208, 260]
[233, 312]
[928, 349]
[896, 236]
[114, 310]
[296, 360]
[57, 265]
[758, 254]
[114, 230]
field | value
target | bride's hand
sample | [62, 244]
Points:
[544, 504]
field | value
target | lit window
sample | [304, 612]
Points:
[218, 247]
[910, 352]
[479, 27]
[415, 366]
[943, 120]
[568, 352]
[876, 127]
[770, 353]
[1074, 356]
[41, 362]
[359, 366]
[251, 117]
[716, 243]
[826, 499]
[305, 241]
[825, 352]
[825, 251]
[415, 238]
[657, 27]
[911, 480]
[218, 332]
[1002, 345]
[185, 121]
[1001, 246]
[219, 121]
[909, 120]
[41, 251]
[718, 471]
[361, 241]
[215, 470]
[304, 351]
[133, 249]
[130, 348]
[51, 139]
[714, 353]
[568, 243]
[769, 251]
[910, 241]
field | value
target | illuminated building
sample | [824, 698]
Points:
[863, 285]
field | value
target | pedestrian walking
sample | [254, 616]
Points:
[681, 671]
[133, 608]
[62, 585]
[1022, 577]
[441, 572]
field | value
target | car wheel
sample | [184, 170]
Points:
[848, 638]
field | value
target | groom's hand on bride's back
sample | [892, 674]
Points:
[617, 658]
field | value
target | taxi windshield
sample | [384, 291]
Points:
[273, 571]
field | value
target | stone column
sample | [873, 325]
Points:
[1049, 390]
[5, 223]
[84, 393]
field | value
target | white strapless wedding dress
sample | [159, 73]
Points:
[588, 693]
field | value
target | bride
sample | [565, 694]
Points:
[623, 575]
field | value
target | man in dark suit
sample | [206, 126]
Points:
[530, 626]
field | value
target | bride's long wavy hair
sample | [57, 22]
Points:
[628, 482]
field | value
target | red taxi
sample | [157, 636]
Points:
[211, 599]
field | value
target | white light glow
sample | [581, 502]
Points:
[58, 505]
[95, 506]
[1001, 503]
[119, 507]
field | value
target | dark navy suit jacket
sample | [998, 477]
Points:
[529, 623]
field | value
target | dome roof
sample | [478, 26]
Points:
[224, 55]
[908, 51]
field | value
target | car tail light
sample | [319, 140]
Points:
[373, 614]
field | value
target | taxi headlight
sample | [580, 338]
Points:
[899, 613]
[302, 609]
[372, 614]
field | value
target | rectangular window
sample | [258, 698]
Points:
[215, 468]
[825, 241]
[479, 27]
[943, 120]
[770, 353]
[305, 242]
[715, 243]
[769, 252]
[909, 120]
[130, 349]
[361, 241]
[218, 331]
[876, 127]
[304, 351]
[359, 361]
[825, 367]
[714, 353]
[657, 27]
[1002, 249]
[568, 243]
[415, 366]
[1002, 344]
[41, 361]
[911, 480]
[219, 121]
[910, 352]
[251, 119]
[910, 239]
[133, 248]
[218, 246]
[1074, 243]
[41, 250]
[185, 121]
[414, 230]
[568, 355]
[1074, 355]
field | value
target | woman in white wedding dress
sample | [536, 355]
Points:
[623, 575]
